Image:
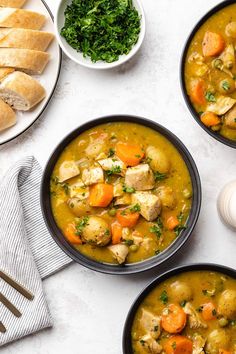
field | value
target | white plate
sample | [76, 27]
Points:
[48, 78]
[78, 57]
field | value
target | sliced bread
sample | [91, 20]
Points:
[29, 61]
[25, 39]
[7, 116]
[21, 91]
[19, 18]
[4, 72]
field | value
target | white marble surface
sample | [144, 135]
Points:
[88, 308]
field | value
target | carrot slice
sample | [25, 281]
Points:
[172, 222]
[209, 119]
[100, 195]
[116, 231]
[126, 218]
[173, 319]
[131, 155]
[197, 92]
[213, 44]
[178, 345]
[208, 311]
[70, 234]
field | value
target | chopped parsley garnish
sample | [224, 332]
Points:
[210, 293]
[199, 309]
[81, 225]
[135, 208]
[159, 176]
[157, 252]
[156, 328]
[129, 242]
[210, 97]
[155, 229]
[235, 120]
[183, 303]
[178, 229]
[225, 85]
[114, 170]
[107, 232]
[164, 297]
[214, 312]
[142, 342]
[111, 152]
[102, 30]
[128, 189]
[180, 217]
[173, 345]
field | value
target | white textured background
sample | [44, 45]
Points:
[88, 308]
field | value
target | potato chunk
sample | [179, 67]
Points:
[120, 252]
[67, 170]
[92, 175]
[150, 204]
[96, 232]
[158, 159]
[227, 304]
[230, 118]
[180, 291]
[140, 177]
[216, 340]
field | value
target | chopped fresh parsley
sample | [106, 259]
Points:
[210, 293]
[81, 225]
[142, 342]
[173, 345]
[164, 297]
[155, 229]
[114, 170]
[111, 152]
[210, 97]
[129, 242]
[135, 208]
[156, 328]
[183, 303]
[225, 85]
[214, 312]
[199, 309]
[102, 30]
[179, 229]
[235, 120]
[128, 189]
[159, 176]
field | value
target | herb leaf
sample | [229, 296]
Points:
[210, 97]
[114, 170]
[159, 176]
[135, 208]
[128, 189]
[81, 225]
[164, 297]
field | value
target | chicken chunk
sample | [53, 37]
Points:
[67, 170]
[147, 344]
[140, 177]
[230, 118]
[228, 57]
[195, 320]
[125, 199]
[150, 204]
[150, 323]
[96, 146]
[222, 105]
[120, 252]
[198, 344]
[113, 164]
[92, 175]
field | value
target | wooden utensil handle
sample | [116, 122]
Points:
[22, 290]
[10, 306]
[2, 328]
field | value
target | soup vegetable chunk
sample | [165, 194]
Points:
[193, 312]
[210, 72]
[121, 192]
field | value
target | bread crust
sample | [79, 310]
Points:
[25, 39]
[12, 3]
[29, 61]
[4, 72]
[7, 116]
[19, 18]
[20, 85]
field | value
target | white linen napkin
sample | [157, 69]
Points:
[27, 251]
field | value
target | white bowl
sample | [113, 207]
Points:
[78, 57]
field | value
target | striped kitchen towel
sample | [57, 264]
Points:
[27, 251]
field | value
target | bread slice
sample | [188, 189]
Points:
[21, 91]
[25, 39]
[7, 116]
[19, 18]
[29, 61]
[12, 3]
[4, 72]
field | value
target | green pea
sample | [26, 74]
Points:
[112, 212]
[133, 248]
[223, 322]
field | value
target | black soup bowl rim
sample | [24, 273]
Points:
[188, 102]
[133, 267]
[127, 340]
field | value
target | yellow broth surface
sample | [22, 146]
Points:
[198, 288]
[215, 74]
[153, 240]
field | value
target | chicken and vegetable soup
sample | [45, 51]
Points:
[193, 312]
[121, 192]
[210, 72]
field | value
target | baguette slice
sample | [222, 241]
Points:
[19, 18]
[25, 39]
[29, 61]
[21, 91]
[12, 3]
[4, 72]
[7, 116]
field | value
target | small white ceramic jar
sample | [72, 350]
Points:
[226, 204]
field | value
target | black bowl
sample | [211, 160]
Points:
[129, 268]
[194, 113]
[127, 342]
